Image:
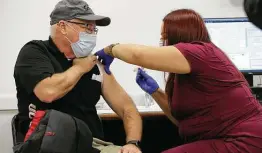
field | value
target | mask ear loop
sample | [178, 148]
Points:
[70, 43]
[76, 32]
[68, 39]
[161, 43]
[166, 42]
[73, 29]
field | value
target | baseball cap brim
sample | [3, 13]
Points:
[100, 20]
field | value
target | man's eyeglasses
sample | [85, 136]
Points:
[86, 25]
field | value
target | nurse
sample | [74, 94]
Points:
[206, 95]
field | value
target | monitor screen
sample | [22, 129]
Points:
[240, 40]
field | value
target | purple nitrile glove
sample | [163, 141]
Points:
[146, 82]
[105, 59]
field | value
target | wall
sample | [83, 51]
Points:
[6, 141]
[134, 21]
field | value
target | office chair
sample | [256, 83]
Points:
[17, 134]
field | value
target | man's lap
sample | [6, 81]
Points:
[105, 147]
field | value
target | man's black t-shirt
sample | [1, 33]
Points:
[38, 60]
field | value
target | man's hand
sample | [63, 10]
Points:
[130, 148]
[85, 64]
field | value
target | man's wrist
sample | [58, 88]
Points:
[134, 142]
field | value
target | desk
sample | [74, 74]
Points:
[113, 116]
[159, 133]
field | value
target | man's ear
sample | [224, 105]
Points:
[62, 27]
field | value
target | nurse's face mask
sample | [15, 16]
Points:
[86, 41]
[162, 43]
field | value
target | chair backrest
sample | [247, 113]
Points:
[17, 134]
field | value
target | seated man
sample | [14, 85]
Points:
[60, 74]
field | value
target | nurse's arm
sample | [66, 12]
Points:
[162, 100]
[167, 58]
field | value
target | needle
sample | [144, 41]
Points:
[136, 69]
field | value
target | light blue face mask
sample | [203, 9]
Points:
[85, 45]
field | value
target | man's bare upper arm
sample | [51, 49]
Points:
[115, 96]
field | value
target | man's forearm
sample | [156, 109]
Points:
[58, 84]
[122, 104]
[64, 82]
[162, 100]
[133, 124]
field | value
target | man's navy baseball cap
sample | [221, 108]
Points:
[76, 9]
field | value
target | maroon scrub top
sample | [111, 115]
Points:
[214, 104]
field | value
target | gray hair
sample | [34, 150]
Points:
[53, 30]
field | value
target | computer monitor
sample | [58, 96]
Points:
[240, 40]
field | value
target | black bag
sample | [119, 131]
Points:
[52, 131]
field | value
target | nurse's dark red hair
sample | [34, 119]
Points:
[183, 25]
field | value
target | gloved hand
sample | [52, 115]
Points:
[146, 82]
[105, 59]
